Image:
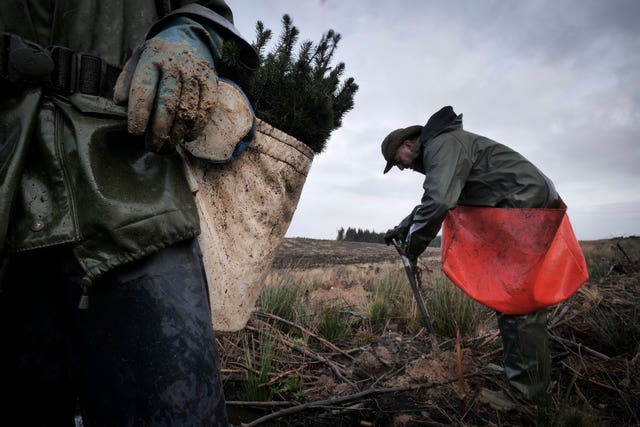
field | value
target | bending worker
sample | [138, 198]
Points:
[103, 301]
[462, 168]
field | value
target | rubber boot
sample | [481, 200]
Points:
[527, 361]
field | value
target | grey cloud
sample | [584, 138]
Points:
[557, 80]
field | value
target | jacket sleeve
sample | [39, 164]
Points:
[447, 164]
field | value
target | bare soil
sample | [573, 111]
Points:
[310, 253]
[398, 376]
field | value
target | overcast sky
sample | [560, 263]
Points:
[558, 81]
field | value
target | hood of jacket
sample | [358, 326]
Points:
[443, 120]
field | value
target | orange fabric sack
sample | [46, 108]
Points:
[515, 261]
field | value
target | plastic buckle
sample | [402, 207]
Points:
[65, 74]
[91, 73]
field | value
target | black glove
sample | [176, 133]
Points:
[393, 234]
[414, 246]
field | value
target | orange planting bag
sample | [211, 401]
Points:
[515, 261]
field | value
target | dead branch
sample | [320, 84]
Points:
[467, 342]
[305, 330]
[490, 338]
[556, 317]
[461, 390]
[337, 370]
[631, 262]
[281, 375]
[260, 404]
[582, 396]
[578, 374]
[622, 396]
[343, 399]
[491, 354]
[579, 347]
[244, 367]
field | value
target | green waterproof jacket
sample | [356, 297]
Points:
[462, 168]
[69, 171]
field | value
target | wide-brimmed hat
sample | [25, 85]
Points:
[393, 141]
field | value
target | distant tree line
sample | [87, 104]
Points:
[360, 235]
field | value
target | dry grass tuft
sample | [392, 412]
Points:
[330, 363]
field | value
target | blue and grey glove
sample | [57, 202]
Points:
[169, 84]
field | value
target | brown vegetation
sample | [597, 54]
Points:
[395, 374]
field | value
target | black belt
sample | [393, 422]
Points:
[61, 69]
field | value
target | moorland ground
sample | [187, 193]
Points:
[377, 366]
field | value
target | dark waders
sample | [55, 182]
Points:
[143, 353]
[527, 361]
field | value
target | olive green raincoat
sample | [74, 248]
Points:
[69, 171]
[462, 168]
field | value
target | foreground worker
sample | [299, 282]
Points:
[462, 168]
[103, 299]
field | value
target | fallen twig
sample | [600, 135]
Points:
[631, 262]
[582, 396]
[624, 399]
[281, 375]
[342, 399]
[490, 338]
[461, 390]
[578, 374]
[305, 330]
[555, 318]
[245, 368]
[334, 367]
[467, 342]
[577, 346]
[260, 404]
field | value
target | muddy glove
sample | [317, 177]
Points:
[169, 85]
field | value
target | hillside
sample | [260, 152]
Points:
[393, 373]
[311, 253]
